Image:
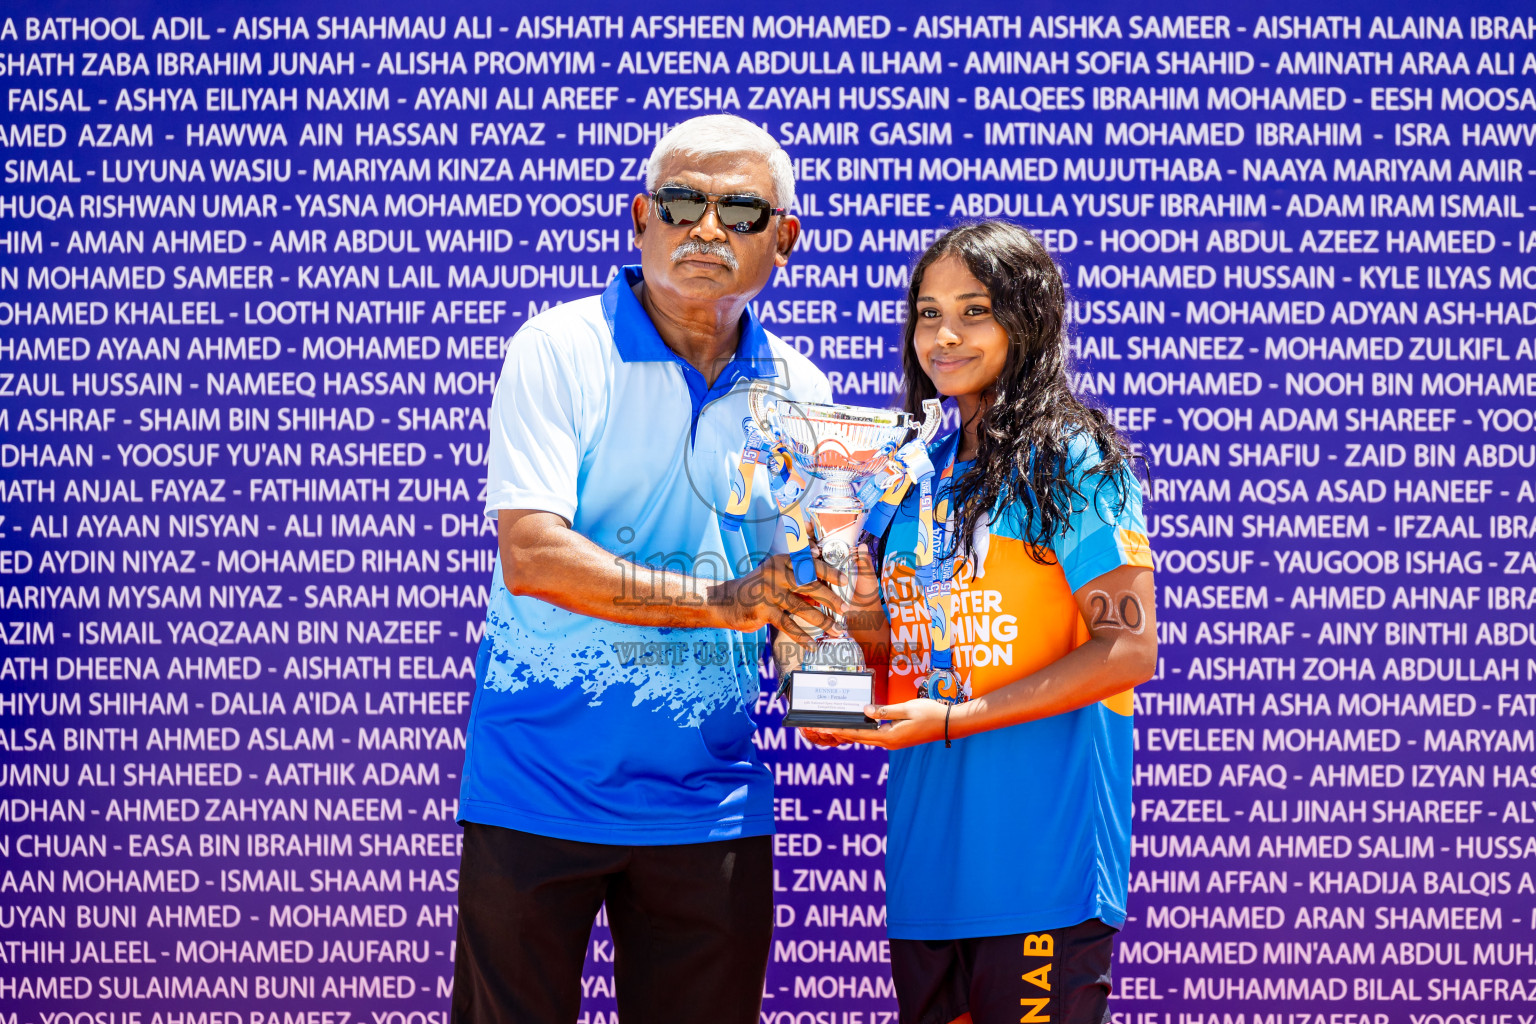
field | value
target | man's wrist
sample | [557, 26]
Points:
[720, 602]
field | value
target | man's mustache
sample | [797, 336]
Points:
[694, 247]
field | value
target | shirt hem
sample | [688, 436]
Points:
[1012, 924]
[615, 833]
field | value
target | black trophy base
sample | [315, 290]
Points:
[830, 720]
[860, 687]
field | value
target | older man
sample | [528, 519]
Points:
[609, 750]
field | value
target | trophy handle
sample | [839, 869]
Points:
[932, 418]
[757, 405]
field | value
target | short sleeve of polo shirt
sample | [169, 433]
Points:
[535, 450]
[1108, 530]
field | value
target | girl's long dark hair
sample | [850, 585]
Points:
[1031, 413]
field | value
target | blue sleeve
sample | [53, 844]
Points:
[1106, 529]
[533, 459]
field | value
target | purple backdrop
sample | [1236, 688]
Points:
[257, 267]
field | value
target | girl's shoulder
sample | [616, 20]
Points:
[1079, 485]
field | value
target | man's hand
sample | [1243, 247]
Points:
[769, 596]
[907, 724]
[542, 557]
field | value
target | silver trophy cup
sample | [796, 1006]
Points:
[843, 446]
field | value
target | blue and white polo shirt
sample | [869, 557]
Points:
[593, 730]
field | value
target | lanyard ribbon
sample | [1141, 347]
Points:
[937, 582]
[787, 487]
[883, 494]
[757, 452]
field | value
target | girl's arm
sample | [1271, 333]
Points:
[1121, 652]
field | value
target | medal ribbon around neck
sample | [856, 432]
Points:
[910, 465]
[938, 582]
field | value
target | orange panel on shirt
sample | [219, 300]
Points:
[1017, 618]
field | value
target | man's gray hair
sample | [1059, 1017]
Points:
[714, 134]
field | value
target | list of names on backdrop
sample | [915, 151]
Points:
[257, 274]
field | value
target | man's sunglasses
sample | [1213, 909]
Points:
[680, 205]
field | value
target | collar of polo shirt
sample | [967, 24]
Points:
[638, 341]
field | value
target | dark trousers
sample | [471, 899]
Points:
[1059, 976]
[691, 926]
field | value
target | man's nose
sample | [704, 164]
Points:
[708, 227]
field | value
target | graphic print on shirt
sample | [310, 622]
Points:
[1009, 614]
[616, 655]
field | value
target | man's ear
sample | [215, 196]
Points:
[788, 235]
[639, 211]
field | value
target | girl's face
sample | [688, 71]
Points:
[959, 344]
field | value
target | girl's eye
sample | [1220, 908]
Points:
[928, 313]
[977, 311]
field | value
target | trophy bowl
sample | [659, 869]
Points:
[843, 446]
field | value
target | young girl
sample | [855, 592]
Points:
[1009, 793]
